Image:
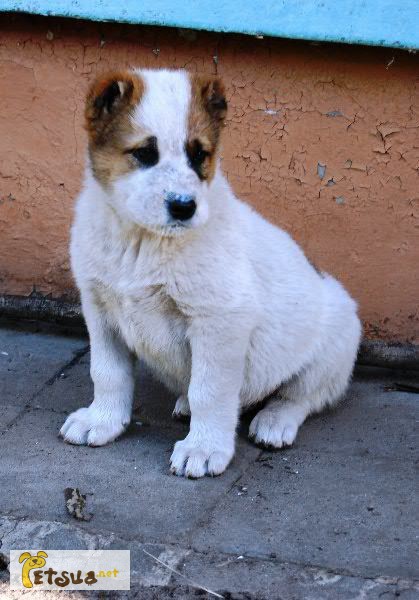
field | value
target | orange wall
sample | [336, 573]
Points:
[293, 106]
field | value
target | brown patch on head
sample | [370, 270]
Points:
[109, 104]
[206, 119]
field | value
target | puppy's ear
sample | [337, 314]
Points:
[108, 97]
[24, 556]
[213, 97]
[42, 553]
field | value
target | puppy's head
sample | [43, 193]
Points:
[153, 143]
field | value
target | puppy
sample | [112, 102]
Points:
[173, 268]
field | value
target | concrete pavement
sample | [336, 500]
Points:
[334, 517]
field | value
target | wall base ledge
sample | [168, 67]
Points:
[36, 307]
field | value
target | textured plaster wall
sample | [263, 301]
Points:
[322, 139]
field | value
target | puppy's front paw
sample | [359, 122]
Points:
[274, 428]
[92, 427]
[195, 457]
[181, 412]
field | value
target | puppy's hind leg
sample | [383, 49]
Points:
[276, 425]
[321, 383]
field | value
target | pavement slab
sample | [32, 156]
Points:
[28, 359]
[336, 516]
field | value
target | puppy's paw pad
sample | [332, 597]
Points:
[274, 428]
[181, 410]
[197, 460]
[87, 426]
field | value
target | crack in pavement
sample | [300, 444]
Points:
[78, 355]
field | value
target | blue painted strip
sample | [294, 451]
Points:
[393, 23]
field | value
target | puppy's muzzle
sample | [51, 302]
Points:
[180, 206]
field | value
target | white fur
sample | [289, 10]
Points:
[225, 311]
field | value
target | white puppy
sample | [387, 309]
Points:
[173, 268]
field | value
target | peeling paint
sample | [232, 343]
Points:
[321, 170]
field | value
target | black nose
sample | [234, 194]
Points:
[181, 206]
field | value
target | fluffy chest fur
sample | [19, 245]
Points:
[154, 328]
[131, 283]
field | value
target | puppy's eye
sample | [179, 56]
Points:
[196, 156]
[196, 153]
[148, 154]
[199, 156]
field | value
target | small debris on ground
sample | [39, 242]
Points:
[288, 469]
[403, 387]
[76, 504]
[263, 458]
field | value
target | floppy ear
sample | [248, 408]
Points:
[42, 553]
[24, 556]
[109, 96]
[213, 97]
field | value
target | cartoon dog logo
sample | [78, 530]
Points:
[31, 562]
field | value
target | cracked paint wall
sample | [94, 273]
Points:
[322, 139]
